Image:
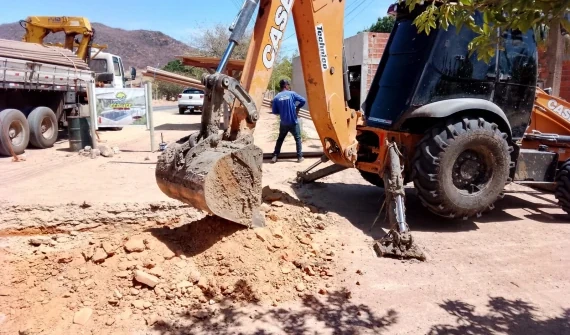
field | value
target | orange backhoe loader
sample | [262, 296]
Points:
[434, 115]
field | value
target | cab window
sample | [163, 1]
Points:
[517, 62]
[98, 65]
[117, 67]
[452, 57]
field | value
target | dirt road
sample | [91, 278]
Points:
[95, 223]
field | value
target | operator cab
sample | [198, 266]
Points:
[417, 70]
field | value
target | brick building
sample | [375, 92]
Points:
[363, 53]
[565, 81]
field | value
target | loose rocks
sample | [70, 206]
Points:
[95, 153]
[108, 247]
[99, 256]
[36, 242]
[82, 316]
[106, 151]
[145, 278]
[134, 245]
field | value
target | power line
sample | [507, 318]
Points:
[346, 15]
[355, 8]
[236, 3]
[360, 11]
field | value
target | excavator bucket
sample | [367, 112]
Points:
[220, 177]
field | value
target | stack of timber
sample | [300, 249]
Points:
[36, 67]
[41, 54]
[172, 78]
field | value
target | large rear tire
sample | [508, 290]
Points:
[562, 191]
[372, 178]
[43, 127]
[460, 169]
[14, 132]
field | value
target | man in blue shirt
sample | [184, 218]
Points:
[287, 104]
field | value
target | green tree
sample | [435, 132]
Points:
[177, 67]
[171, 91]
[214, 41]
[383, 25]
[497, 14]
[167, 90]
[283, 70]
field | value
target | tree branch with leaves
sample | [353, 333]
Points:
[497, 14]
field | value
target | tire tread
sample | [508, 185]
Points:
[429, 154]
[562, 191]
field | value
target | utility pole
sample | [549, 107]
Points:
[554, 57]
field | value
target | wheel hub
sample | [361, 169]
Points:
[46, 128]
[15, 133]
[469, 171]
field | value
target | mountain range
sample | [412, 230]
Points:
[138, 48]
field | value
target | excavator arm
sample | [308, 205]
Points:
[218, 169]
[320, 35]
[38, 27]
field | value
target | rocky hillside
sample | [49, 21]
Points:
[138, 48]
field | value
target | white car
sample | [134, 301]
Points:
[190, 98]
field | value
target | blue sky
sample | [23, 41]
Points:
[182, 20]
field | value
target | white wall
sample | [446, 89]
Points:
[353, 49]
[297, 81]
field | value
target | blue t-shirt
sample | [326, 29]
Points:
[285, 104]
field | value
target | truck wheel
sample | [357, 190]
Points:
[562, 191]
[181, 110]
[14, 132]
[43, 127]
[460, 169]
[372, 178]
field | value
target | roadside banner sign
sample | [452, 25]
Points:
[121, 107]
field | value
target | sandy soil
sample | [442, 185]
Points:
[163, 102]
[312, 271]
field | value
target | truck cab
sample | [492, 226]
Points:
[108, 69]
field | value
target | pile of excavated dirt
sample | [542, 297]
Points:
[115, 278]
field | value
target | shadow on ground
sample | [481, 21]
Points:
[135, 163]
[333, 313]
[505, 316]
[178, 126]
[196, 237]
[360, 205]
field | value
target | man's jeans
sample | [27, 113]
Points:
[295, 130]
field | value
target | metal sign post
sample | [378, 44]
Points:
[92, 112]
[150, 118]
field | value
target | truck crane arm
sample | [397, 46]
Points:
[38, 27]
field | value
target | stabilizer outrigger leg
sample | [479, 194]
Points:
[398, 242]
[307, 176]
